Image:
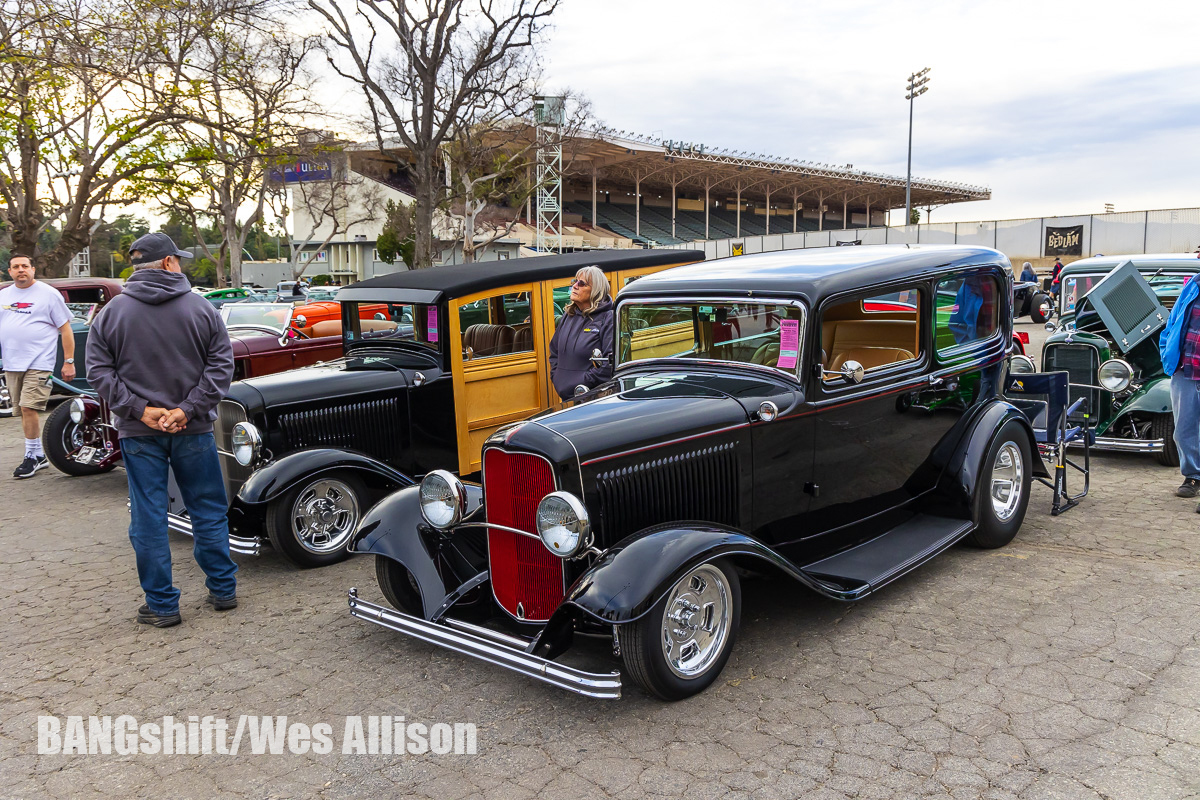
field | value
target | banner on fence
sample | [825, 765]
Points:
[1064, 241]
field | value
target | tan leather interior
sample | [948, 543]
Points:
[333, 327]
[870, 357]
[767, 355]
[488, 340]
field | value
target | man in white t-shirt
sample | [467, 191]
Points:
[32, 316]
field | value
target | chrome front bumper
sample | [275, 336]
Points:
[237, 544]
[1113, 444]
[490, 646]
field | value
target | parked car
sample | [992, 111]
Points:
[267, 337]
[305, 453]
[1129, 395]
[229, 294]
[1030, 301]
[84, 296]
[782, 413]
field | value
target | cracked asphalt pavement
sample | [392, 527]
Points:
[1065, 665]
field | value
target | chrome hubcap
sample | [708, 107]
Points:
[1008, 474]
[324, 516]
[696, 621]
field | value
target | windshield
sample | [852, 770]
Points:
[391, 321]
[1167, 286]
[262, 315]
[748, 333]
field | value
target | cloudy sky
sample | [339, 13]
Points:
[1057, 107]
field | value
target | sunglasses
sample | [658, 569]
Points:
[580, 282]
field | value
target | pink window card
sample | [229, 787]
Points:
[432, 326]
[789, 343]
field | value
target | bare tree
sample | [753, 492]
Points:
[88, 89]
[491, 164]
[252, 89]
[428, 69]
[326, 208]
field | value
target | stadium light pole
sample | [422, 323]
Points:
[917, 86]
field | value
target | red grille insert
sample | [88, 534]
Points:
[523, 571]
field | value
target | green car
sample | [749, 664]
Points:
[233, 294]
[1128, 394]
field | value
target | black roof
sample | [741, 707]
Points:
[815, 274]
[431, 285]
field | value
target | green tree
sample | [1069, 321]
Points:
[398, 240]
[914, 217]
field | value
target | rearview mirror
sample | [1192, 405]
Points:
[599, 359]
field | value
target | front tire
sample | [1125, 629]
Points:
[1163, 427]
[1041, 308]
[1002, 495]
[61, 437]
[681, 645]
[313, 521]
[398, 586]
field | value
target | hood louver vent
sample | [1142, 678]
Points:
[374, 427]
[698, 485]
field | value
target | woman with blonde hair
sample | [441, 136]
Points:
[585, 326]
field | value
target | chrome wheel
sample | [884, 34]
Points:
[1008, 475]
[696, 621]
[324, 516]
[6, 401]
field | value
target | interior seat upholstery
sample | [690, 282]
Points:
[522, 339]
[871, 357]
[767, 355]
[326, 327]
[489, 340]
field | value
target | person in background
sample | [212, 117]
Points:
[586, 326]
[1179, 348]
[1055, 277]
[160, 355]
[33, 315]
[1027, 273]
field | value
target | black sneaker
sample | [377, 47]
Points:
[147, 617]
[221, 603]
[32, 464]
[1188, 488]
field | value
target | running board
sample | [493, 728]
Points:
[237, 544]
[855, 573]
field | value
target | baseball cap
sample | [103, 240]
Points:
[155, 247]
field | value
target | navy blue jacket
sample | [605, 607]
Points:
[576, 336]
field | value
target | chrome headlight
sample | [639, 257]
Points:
[563, 524]
[246, 443]
[443, 499]
[78, 410]
[1115, 375]
[1021, 365]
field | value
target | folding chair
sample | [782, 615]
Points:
[1044, 399]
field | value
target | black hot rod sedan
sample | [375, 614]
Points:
[830, 415]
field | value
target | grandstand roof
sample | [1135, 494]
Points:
[659, 163]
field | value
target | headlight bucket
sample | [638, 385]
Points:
[443, 499]
[1115, 375]
[247, 443]
[563, 524]
[1021, 365]
[78, 410]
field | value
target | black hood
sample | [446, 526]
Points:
[642, 416]
[156, 286]
[343, 380]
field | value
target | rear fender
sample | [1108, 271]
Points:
[965, 468]
[272, 480]
[633, 575]
[395, 529]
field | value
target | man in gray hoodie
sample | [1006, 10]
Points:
[160, 355]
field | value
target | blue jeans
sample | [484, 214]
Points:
[1185, 403]
[198, 473]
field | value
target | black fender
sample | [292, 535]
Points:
[395, 529]
[963, 472]
[630, 577]
[275, 478]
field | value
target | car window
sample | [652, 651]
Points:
[496, 326]
[375, 321]
[875, 331]
[750, 333]
[968, 311]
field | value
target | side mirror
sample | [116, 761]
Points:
[598, 358]
[580, 389]
[853, 372]
[1050, 326]
[379, 315]
[301, 321]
